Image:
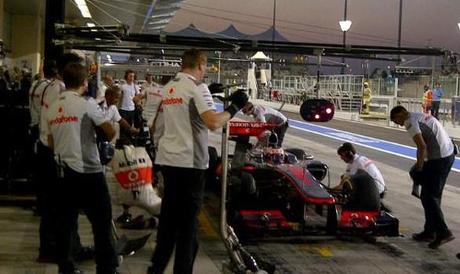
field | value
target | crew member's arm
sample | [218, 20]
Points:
[212, 119]
[125, 125]
[99, 119]
[138, 99]
[108, 129]
[215, 120]
[421, 150]
[138, 96]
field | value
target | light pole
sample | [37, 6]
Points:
[272, 66]
[399, 28]
[344, 26]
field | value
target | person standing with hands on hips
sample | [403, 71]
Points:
[189, 112]
[435, 156]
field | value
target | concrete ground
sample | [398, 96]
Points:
[19, 228]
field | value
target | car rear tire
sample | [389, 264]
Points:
[332, 220]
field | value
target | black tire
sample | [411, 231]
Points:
[213, 157]
[212, 181]
[332, 222]
[248, 184]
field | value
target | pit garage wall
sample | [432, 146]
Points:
[26, 41]
[23, 38]
[2, 18]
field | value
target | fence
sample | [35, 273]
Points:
[346, 92]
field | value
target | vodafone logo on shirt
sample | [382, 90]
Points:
[172, 100]
[61, 119]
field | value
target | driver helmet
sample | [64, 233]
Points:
[274, 155]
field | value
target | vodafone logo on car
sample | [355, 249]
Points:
[133, 175]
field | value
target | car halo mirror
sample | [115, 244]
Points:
[317, 110]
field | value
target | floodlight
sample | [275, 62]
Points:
[345, 25]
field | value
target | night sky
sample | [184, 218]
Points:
[375, 22]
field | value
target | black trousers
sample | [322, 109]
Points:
[435, 174]
[281, 131]
[87, 191]
[183, 196]
[46, 180]
[435, 108]
[128, 115]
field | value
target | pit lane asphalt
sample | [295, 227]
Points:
[384, 133]
[330, 255]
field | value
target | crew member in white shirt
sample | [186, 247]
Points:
[46, 167]
[149, 83]
[71, 122]
[130, 98]
[268, 115]
[189, 112]
[110, 110]
[435, 157]
[153, 112]
[355, 161]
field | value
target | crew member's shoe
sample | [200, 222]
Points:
[423, 237]
[141, 223]
[124, 218]
[441, 239]
[84, 253]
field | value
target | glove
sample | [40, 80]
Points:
[216, 88]
[239, 100]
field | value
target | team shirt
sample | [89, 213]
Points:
[438, 143]
[269, 115]
[185, 139]
[153, 111]
[111, 113]
[128, 93]
[146, 86]
[35, 100]
[50, 94]
[71, 121]
[364, 163]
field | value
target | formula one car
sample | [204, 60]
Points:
[274, 191]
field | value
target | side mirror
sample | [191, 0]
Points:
[317, 110]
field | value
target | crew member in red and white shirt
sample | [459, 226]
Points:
[189, 113]
[46, 168]
[153, 112]
[72, 135]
